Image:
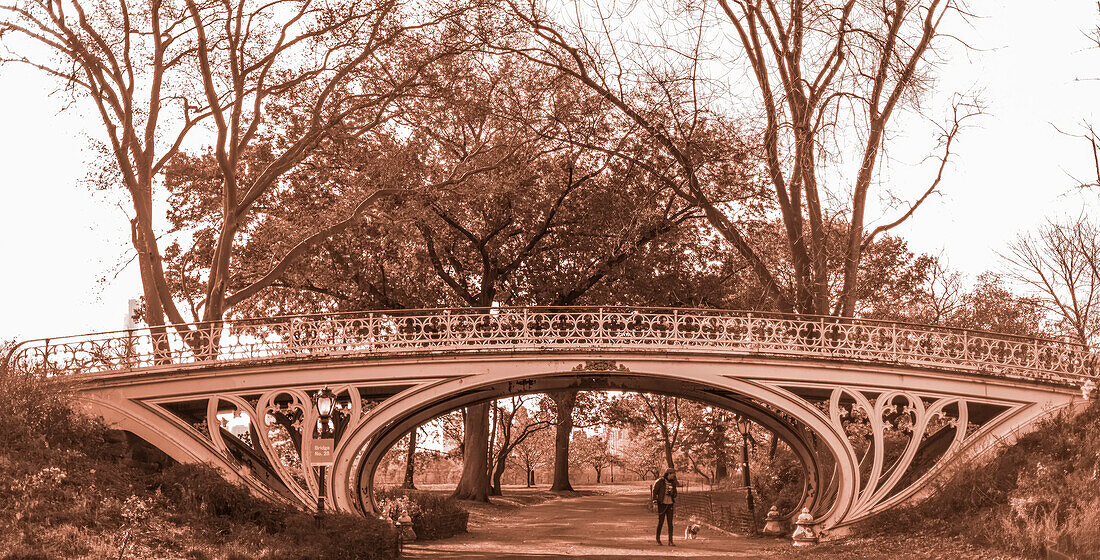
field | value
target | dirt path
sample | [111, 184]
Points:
[609, 526]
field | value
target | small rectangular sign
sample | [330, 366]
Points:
[321, 451]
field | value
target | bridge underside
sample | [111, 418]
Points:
[869, 437]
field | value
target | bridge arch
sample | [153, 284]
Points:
[361, 450]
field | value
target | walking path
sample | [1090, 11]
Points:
[599, 527]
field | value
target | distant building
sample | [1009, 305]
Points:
[133, 311]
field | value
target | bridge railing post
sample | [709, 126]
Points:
[525, 332]
[966, 347]
[821, 336]
[749, 328]
[1034, 355]
[894, 342]
[601, 334]
[46, 358]
[675, 330]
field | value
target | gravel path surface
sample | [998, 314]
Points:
[607, 526]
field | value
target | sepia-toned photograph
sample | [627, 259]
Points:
[549, 279]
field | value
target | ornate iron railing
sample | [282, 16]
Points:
[381, 333]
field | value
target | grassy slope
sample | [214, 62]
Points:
[63, 495]
[1043, 489]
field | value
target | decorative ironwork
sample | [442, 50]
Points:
[600, 365]
[909, 425]
[382, 333]
[279, 430]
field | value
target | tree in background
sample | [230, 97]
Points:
[410, 461]
[642, 455]
[122, 61]
[573, 409]
[518, 419]
[992, 306]
[157, 72]
[869, 60]
[590, 451]
[564, 405]
[706, 442]
[535, 451]
[1060, 265]
[660, 416]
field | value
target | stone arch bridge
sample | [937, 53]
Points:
[873, 410]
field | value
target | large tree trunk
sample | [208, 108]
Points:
[490, 463]
[498, 472]
[474, 483]
[718, 442]
[666, 439]
[564, 400]
[154, 308]
[410, 462]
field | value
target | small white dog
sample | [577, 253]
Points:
[692, 530]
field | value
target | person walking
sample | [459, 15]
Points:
[663, 495]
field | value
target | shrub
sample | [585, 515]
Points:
[201, 489]
[340, 537]
[778, 482]
[433, 516]
[37, 411]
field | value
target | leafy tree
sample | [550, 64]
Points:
[517, 421]
[642, 454]
[534, 196]
[705, 445]
[661, 416]
[269, 81]
[514, 214]
[869, 60]
[590, 451]
[991, 306]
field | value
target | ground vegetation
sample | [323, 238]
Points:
[70, 488]
[1040, 492]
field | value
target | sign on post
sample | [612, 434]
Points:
[321, 451]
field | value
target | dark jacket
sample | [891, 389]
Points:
[660, 488]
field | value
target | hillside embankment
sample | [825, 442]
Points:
[72, 488]
[1042, 491]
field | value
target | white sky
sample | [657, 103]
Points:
[61, 243]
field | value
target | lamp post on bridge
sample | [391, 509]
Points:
[324, 440]
[743, 424]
